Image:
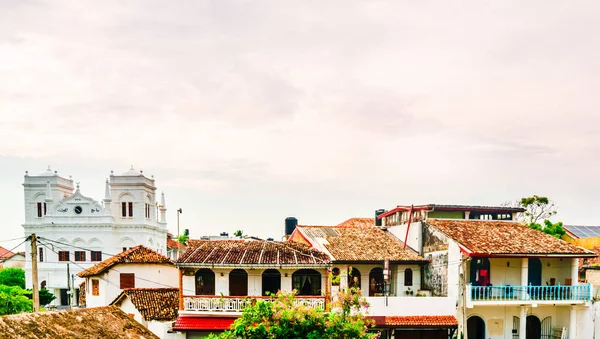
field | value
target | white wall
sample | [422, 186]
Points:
[159, 328]
[410, 306]
[146, 276]
[414, 239]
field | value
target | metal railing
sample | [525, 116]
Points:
[211, 303]
[530, 293]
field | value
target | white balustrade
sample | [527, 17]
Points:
[237, 304]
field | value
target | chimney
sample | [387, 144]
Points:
[290, 225]
[378, 213]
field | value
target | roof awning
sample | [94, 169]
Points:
[203, 323]
[417, 321]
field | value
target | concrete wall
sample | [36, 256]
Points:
[446, 215]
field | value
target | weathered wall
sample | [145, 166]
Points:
[435, 249]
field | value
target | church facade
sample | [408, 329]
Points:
[75, 232]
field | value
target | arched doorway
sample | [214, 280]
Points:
[533, 328]
[238, 282]
[534, 272]
[271, 282]
[353, 277]
[376, 282]
[475, 328]
[335, 277]
[307, 282]
[205, 282]
[480, 272]
[408, 277]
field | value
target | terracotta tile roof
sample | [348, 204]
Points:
[504, 237]
[438, 321]
[358, 222]
[97, 322]
[590, 262]
[135, 255]
[203, 324]
[171, 243]
[159, 304]
[359, 244]
[250, 252]
[4, 253]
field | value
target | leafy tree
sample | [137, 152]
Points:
[554, 229]
[182, 239]
[46, 296]
[238, 233]
[14, 299]
[283, 318]
[537, 208]
[12, 277]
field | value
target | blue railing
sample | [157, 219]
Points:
[530, 293]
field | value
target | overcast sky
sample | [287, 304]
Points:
[250, 111]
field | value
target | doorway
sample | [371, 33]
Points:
[475, 328]
[533, 328]
[238, 283]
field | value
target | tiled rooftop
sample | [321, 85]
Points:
[203, 323]
[358, 222]
[359, 244]
[443, 321]
[504, 237]
[153, 303]
[4, 253]
[135, 255]
[172, 243]
[251, 252]
[97, 322]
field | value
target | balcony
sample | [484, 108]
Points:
[519, 295]
[232, 304]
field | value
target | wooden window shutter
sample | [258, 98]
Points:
[127, 280]
[95, 287]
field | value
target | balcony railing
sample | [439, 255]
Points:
[529, 293]
[211, 303]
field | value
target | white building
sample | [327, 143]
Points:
[75, 232]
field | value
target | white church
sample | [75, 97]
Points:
[76, 232]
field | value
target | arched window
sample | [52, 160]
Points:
[335, 277]
[238, 282]
[376, 283]
[353, 277]
[408, 277]
[307, 282]
[271, 282]
[205, 282]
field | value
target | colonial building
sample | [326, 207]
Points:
[509, 281]
[75, 232]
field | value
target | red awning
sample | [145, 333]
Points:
[203, 323]
[435, 321]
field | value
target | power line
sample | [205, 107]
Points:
[7, 240]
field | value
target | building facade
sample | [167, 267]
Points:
[75, 232]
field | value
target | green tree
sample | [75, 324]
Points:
[12, 277]
[554, 229]
[238, 233]
[537, 208]
[14, 299]
[182, 239]
[46, 296]
[283, 318]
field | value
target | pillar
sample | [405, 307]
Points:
[344, 277]
[574, 271]
[573, 323]
[180, 289]
[523, 322]
[524, 277]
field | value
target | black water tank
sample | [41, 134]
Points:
[378, 213]
[224, 234]
[290, 225]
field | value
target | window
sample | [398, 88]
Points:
[127, 280]
[41, 209]
[147, 211]
[95, 287]
[79, 255]
[96, 255]
[63, 255]
[408, 277]
[126, 209]
[41, 255]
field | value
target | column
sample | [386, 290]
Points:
[343, 277]
[574, 271]
[523, 322]
[524, 277]
[573, 323]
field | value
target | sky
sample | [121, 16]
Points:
[247, 112]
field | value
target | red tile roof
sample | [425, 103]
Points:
[438, 321]
[4, 253]
[159, 304]
[171, 243]
[359, 244]
[358, 222]
[251, 252]
[135, 255]
[204, 323]
[485, 237]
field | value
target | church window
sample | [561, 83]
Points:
[123, 209]
[41, 209]
[131, 209]
[41, 256]
[96, 255]
[63, 255]
[79, 255]
[147, 211]
[127, 280]
[95, 287]
[126, 209]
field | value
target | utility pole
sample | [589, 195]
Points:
[34, 274]
[179, 211]
[68, 287]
